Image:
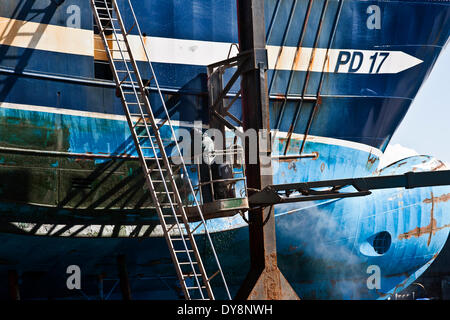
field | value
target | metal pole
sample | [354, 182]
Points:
[13, 281]
[123, 276]
[264, 281]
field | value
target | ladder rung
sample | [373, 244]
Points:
[156, 170]
[194, 288]
[188, 275]
[139, 124]
[102, 8]
[170, 216]
[185, 263]
[137, 114]
[183, 251]
[110, 29]
[149, 148]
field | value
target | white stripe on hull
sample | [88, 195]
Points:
[53, 38]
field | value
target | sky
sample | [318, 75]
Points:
[426, 127]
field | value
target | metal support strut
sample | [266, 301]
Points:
[264, 280]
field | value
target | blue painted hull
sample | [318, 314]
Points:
[51, 101]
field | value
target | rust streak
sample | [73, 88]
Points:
[297, 59]
[279, 60]
[443, 198]
[430, 229]
[311, 60]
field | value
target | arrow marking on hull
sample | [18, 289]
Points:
[340, 60]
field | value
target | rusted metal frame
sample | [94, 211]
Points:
[291, 76]
[283, 41]
[264, 202]
[408, 180]
[230, 62]
[264, 280]
[229, 85]
[235, 97]
[234, 118]
[313, 111]
[363, 187]
[308, 73]
[228, 124]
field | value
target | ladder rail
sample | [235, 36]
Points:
[159, 145]
[197, 205]
[139, 149]
[168, 168]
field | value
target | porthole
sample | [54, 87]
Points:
[381, 242]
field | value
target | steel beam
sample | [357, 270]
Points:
[304, 191]
[264, 281]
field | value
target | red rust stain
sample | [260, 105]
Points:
[284, 160]
[443, 198]
[441, 165]
[430, 229]
[401, 164]
[279, 60]
[371, 160]
[272, 285]
[319, 100]
[327, 63]
[311, 61]
[297, 58]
